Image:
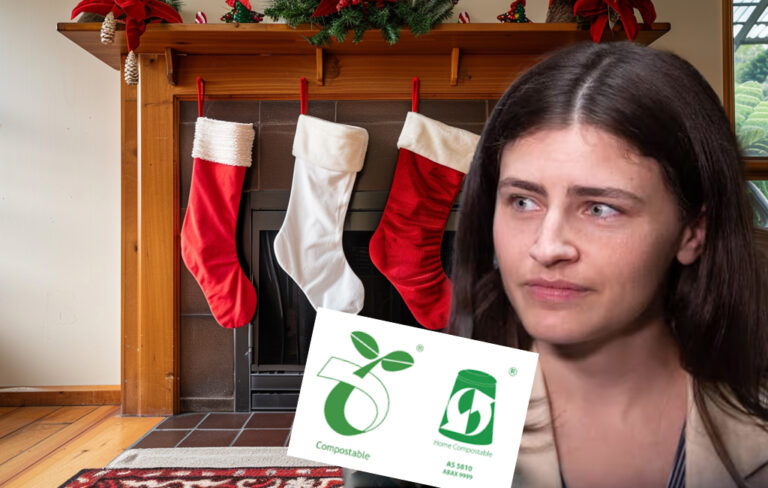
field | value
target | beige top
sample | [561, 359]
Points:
[747, 444]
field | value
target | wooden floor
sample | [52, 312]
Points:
[45, 446]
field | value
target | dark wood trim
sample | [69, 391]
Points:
[728, 83]
[60, 395]
[757, 168]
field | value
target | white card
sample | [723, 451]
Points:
[411, 404]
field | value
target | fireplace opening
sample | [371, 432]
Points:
[280, 334]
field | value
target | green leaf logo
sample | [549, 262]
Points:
[397, 361]
[367, 382]
[365, 344]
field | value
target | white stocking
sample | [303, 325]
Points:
[308, 246]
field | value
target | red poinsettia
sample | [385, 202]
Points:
[135, 13]
[597, 10]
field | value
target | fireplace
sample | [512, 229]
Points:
[259, 366]
[174, 357]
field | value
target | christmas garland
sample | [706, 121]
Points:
[338, 17]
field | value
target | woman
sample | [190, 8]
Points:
[604, 225]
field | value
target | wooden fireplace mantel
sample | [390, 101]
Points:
[263, 62]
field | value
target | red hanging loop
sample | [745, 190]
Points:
[415, 95]
[304, 95]
[200, 94]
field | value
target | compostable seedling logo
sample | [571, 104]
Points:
[360, 402]
[469, 414]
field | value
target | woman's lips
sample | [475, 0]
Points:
[555, 291]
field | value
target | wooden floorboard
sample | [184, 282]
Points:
[21, 417]
[45, 446]
[5, 410]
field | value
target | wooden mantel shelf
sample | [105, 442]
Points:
[280, 39]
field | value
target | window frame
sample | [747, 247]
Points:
[756, 167]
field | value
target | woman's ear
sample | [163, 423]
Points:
[692, 240]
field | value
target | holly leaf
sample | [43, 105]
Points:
[365, 344]
[397, 361]
[326, 7]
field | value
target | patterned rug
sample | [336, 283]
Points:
[312, 477]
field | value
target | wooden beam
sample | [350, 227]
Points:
[129, 207]
[158, 304]
[319, 66]
[454, 67]
[170, 65]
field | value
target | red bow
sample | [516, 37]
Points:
[135, 13]
[246, 3]
[625, 8]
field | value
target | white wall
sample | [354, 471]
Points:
[60, 182]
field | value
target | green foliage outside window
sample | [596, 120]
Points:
[752, 118]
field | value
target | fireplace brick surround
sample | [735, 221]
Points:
[208, 350]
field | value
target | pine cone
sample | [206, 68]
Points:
[131, 69]
[108, 29]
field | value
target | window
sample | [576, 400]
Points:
[746, 77]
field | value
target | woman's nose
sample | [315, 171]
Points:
[552, 244]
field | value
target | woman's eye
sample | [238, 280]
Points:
[523, 204]
[601, 210]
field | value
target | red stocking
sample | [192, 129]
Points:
[222, 152]
[433, 160]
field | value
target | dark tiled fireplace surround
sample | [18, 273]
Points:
[215, 400]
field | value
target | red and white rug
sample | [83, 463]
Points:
[293, 477]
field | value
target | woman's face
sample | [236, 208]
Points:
[584, 233]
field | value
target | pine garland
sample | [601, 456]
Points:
[420, 16]
[176, 4]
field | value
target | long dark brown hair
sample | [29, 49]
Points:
[663, 107]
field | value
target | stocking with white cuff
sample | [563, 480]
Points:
[308, 245]
[222, 152]
[431, 165]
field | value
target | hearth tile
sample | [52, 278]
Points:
[181, 421]
[270, 420]
[207, 351]
[275, 163]
[161, 438]
[262, 438]
[216, 404]
[224, 421]
[454, 112]
[188, 111]
[192, 297]
[491, 105]
[251, 181]
[357, 112]
[381, 157]
[209, 438]
[242, 111]
[287, 112]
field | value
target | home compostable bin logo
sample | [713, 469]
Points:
[354, 379]
[468, 416]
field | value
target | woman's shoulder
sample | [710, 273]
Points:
[744, 437]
